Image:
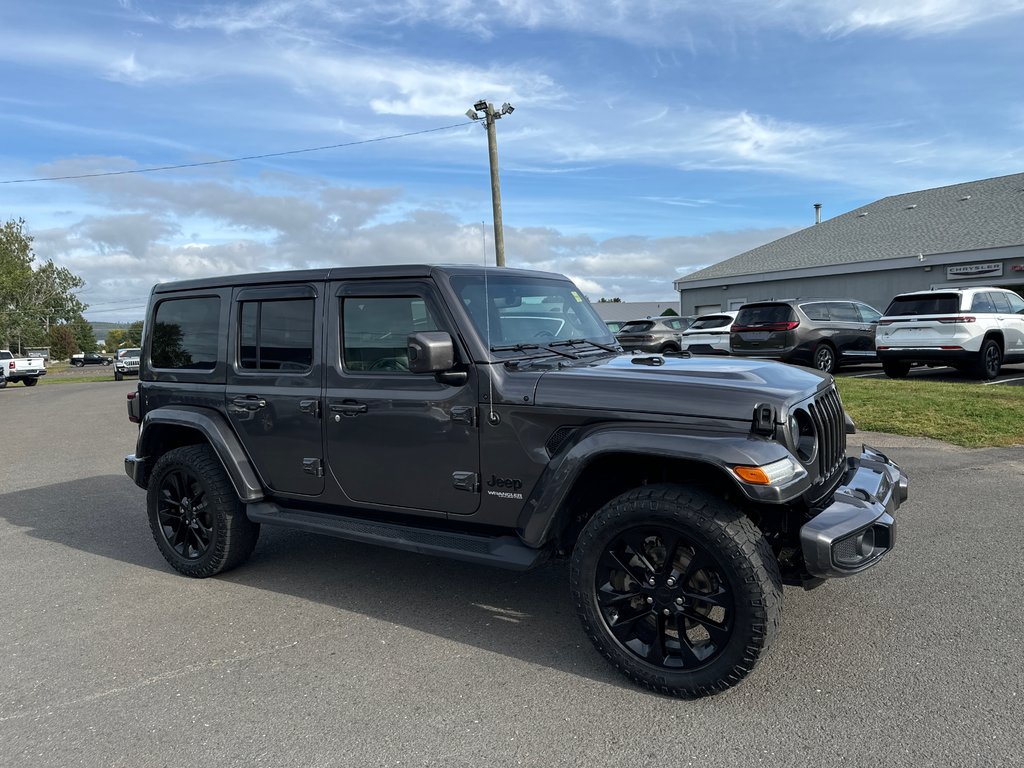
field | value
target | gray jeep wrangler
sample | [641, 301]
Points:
[490, 416]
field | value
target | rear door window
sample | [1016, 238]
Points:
[868, 314]
[1016, 303]
[929, 304]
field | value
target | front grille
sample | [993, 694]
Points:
[827, 414]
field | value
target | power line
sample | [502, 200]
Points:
[233, 159]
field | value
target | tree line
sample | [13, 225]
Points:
[38, 305]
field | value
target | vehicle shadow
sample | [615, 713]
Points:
[528, 616]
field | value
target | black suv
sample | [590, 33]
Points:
[488, 415]
[824, 333]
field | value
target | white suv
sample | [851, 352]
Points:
[974, 330]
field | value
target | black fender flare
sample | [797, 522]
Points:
[218, 433]
[544, 513]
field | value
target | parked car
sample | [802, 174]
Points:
[653, 334]
[709, 334]
[823, 333]
[82, 359]
[975, 330]
[27, 370]
[127, 363]
[418, 407]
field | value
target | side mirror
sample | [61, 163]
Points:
[431, 352]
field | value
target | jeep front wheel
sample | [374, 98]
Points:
[679, 590]
[197, 520]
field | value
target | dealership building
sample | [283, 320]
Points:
[957, 236]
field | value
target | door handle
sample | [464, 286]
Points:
[249, 402]
[348, 408]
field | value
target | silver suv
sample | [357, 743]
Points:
[653, 334]
[975, 330]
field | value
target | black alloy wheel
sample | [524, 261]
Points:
[990, 359]
[186, 523]
[664, 598]
[677, 588]
[196, 518]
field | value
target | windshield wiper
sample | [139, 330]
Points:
[514, 348]
[574, 342]
[528, 347]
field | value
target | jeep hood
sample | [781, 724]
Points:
[724, 388]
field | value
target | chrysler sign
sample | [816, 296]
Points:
[974, 270]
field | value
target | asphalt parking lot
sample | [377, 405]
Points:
[319, 652]
[1009, 375]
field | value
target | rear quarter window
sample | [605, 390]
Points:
[186, 333]
[932, 304]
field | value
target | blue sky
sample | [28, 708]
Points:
[649, 139]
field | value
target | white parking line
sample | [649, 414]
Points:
[1002, 381]
[863, 375]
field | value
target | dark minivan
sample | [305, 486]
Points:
[823, 333]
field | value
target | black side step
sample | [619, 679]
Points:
[502, 551]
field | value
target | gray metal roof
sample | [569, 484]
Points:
[961, 217]
[621, 311]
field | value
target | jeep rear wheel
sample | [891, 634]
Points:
[990, 360]
[197, 521]
[677, 589]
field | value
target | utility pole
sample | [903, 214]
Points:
[484, 110]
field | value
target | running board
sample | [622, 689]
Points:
[501, 551]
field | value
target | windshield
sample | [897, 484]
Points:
[122, 353]
[518, 310]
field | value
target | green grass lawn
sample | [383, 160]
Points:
[965, 414]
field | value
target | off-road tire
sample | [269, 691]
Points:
[192, 505]
[30, 381]
[826, 359]
[990, 359]
[3, 382]
[714, 537]
[118, 376]
[896, 369]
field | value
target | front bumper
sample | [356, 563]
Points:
[857, 528]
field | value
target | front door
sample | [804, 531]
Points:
[273, 385]
[396, 438]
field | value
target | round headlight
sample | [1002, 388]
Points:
[804, 436]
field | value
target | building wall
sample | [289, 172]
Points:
[876, 288]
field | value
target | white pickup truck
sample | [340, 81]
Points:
[24, 369]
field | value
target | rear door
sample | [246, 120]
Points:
[273, 394]
[1010, 307]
